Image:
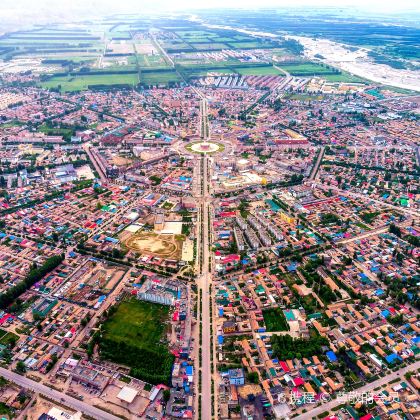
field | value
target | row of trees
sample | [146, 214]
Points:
[150, 365]
[34, 275]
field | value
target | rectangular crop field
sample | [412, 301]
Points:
[305, 69]
[159, 77]
[81, 82]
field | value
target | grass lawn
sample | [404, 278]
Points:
[52, 131]
[275, 320]
[7, 337]
[133, 336]
[305, 97]
[14, 123]
[138, 323]
[77, 83]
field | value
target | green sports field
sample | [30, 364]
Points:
[133, 336]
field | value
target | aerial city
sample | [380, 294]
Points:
[209, 212]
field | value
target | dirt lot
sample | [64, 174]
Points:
[149, 243]
[121, 161]
[43, 406]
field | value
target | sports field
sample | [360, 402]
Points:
[133, 335]
[150, 243]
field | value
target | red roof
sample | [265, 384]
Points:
[367, 417]
[227, 214]
[284, 366]
[298, 381]
[5, 318]
[231, 258]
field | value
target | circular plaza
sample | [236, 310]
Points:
[204, 147]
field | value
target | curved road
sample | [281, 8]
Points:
[56, 395]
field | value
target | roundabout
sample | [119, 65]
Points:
[204, 147]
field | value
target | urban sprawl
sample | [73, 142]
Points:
[198, 222]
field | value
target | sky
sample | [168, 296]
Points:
[54, 6]
[18, 14]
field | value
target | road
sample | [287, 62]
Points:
[86, 148]
[368, 387]
[56, 395]
[161, 49]
[315, 169]
[204, 279]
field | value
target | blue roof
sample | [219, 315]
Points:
[189, 370]
[385, 313]
[113, 240]
[393, 357]
[220, 339]
[331, 356]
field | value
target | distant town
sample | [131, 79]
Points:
[205, 221]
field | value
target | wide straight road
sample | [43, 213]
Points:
[203, 197]
[315, 168]
[204, 282]
[64, 399]
[366, 388]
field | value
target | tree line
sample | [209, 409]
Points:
[34, 275]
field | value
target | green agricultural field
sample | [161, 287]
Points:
[258, 71]
[275, 320]
[151, 61]
[343, 77]
[192, 36]
[132, 336]
[305, 69]
[159, 77]
[81, 82]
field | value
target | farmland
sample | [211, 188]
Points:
[158, 77]
[82, 82]
[130, 57]
[306, 69]
[132, 336]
